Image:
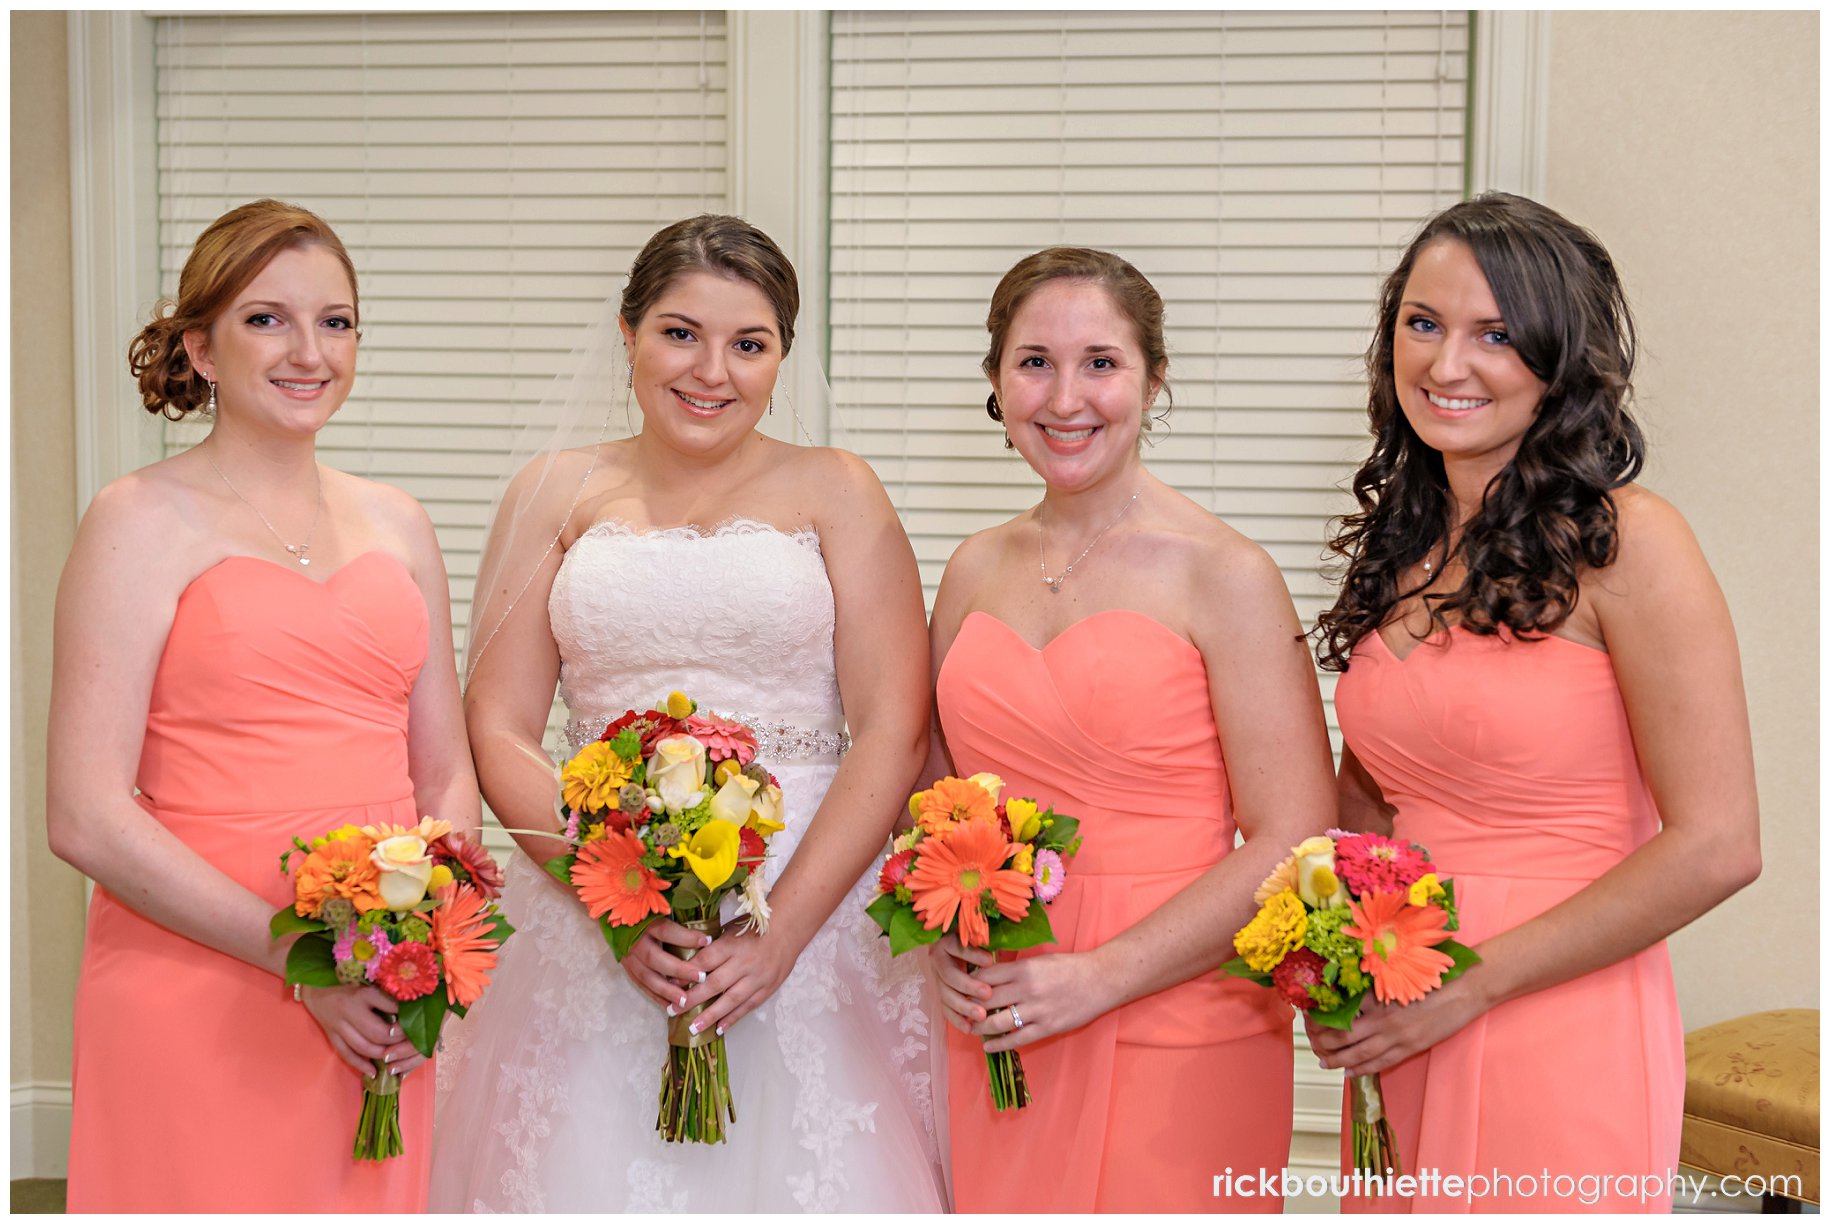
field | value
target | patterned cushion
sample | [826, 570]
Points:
[1750, 1097]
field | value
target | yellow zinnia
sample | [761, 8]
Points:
[712, 852]
[591, 779]
[1425, 889]
[1273, 933]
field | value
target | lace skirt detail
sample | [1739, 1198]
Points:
[548, 1090]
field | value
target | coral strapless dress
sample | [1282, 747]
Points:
[1139, 1110]
[279, 709]
[1512, 763]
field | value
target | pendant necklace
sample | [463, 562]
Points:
[300, 552]
[1054, 584]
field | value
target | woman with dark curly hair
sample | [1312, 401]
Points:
[1541, 686]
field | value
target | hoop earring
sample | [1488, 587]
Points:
[991, 408]
[209, 409]
[1008, 444]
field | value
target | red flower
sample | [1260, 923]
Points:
[408, 971]
[1295, 973]
[1368, 863]
[651, 725]
[460, 852]
[750, 846]
[895, 870]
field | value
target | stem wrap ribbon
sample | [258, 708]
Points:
[677, 1028]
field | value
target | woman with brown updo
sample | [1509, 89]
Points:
[1121, 654]
[250, 647]
[1541, 687]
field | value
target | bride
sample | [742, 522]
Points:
[772, 583]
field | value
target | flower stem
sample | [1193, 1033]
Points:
[378, 1125]
[1009, 1086]
[696, 1096]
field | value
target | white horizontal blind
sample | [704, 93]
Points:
[491, 174]
[1262, 169]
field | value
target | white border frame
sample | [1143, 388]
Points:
[114, 232]
[1509, 130]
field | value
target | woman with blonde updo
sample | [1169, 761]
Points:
[249, 648]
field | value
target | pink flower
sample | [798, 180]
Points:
[1048, 876]
[723, 738]
[1368, 863]
[345, 947]
[1295, 973]
[408, 971]
[380, 943]
[895, 871]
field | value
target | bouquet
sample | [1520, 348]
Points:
[1348, 915]
[409, 909]
[973, 865]
[668, 814]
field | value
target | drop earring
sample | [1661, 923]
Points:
[209, 409]
[771, 403]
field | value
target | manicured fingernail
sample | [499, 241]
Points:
[702, 975]
[693, 1027]
[670, 1009]
[682, 1003]
[721, 1030]
[705, 941]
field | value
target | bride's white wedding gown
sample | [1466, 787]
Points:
[548, 1089]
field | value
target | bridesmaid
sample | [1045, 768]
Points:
[240, 637]
[1541, 687]
[1122, 654]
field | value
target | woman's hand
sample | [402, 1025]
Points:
[360, 1025]
[1056, 992]
[742, 969]
[1384, 1035]
[962, 996]
[657, 972]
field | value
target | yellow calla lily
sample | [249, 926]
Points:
[712, 852]
[732, 802]
[1024, 823]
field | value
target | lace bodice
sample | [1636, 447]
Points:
[740, 618]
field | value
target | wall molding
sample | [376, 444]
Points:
[41, 1128]
[1510, 112]
[114, 234]
[777, 159]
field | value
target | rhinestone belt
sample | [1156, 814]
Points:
[775, 741]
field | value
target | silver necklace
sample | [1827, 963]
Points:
[300, 552]
[1054, 584]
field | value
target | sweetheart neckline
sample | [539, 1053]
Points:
[1046, 646]
[297, 571]
[1441, 636]
[731, 528]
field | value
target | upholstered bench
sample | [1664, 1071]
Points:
[1750, 1100]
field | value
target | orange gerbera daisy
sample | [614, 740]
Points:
[953, 801]
[612, 879]
[1401, 941]
[338, 869]
[954, 872]
[461, 937]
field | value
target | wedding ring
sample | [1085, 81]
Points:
[1016, 1021]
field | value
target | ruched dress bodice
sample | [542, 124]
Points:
[548, 1087]
[1110, 722]
[278, 710]
[1512, 762]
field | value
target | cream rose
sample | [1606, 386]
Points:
[766, 810]
[677, 772]
[406, 870]
[732, 802]
[991, 782]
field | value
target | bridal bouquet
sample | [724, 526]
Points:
[668, 814]
[409, 909]
[974, 865]
[1348, 915]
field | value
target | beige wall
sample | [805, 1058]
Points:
[46, 893]
[1689, 143]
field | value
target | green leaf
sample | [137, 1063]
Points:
[309, 962]
[883, 911]
[1026, 932]
[289, 922]
[906, 931]
[499, 928]
[421, 1018]
[627, 744]
[1463, 956]
[1058, 836]
[560, 868]
[689, 895]
[1340, 1017]
[1448, 904]
[622, 938]
[1239, 969]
